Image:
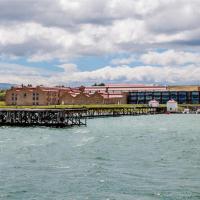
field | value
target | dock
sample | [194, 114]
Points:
[68, 117]
[43, 117]
[122, 111]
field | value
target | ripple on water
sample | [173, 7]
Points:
[84, 141]
[125, 158]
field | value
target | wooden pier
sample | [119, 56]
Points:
[67, 117]
[122, 111]
[43, 117]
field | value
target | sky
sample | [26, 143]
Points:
[81, 42]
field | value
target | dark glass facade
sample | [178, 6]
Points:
[182, 97]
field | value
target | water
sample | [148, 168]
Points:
[123, 158]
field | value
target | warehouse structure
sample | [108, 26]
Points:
[181, 94]
[108, 94]
[42, 96]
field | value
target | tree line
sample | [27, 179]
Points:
[2, 95]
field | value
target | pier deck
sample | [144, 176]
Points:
[43, 117]
[117, 111]
[67, 117]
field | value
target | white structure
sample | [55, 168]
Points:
[198, 111]
[172, 106]
[186, 111]
[153, 103]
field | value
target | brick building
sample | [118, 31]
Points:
[40, 95]
[28, 95]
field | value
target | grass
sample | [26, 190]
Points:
[182, 106]
[3, 105]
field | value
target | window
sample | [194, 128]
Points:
[174, 96]
[182, 96]
[195, 97]
[157, 93]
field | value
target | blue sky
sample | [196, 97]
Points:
[86, 41]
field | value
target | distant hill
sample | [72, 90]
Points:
[6, 85]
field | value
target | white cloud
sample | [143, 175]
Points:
[170, 57]
[14, 73]
[69, 68]
[64, 29]
[123, 61]
[70, 75]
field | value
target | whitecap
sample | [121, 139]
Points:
[62, 167]
[85, 141]
[81, 131]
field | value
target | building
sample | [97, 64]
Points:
[182, 97]
[172, 106]
[70, 98]
[123, 88]
[184, 88]
[29, 96]
[108, 94]
[153, 103]
[42, 96]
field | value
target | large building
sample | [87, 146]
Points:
[42, 96]
[108, 94]
[181, 94]
[124, 88]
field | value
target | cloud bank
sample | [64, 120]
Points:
[163, 36]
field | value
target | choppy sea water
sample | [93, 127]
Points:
[122, 158]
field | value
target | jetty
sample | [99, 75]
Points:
[43, 117]
[122, 111]
[68, 117]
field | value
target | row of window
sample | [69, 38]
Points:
[163, 97]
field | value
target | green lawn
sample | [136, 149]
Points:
[2, 105]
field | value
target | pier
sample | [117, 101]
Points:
[43, 117]
[67, 117]
[122, 111]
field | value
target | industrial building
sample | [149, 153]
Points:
[108, 94]
[182, 97]
[43, 96]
